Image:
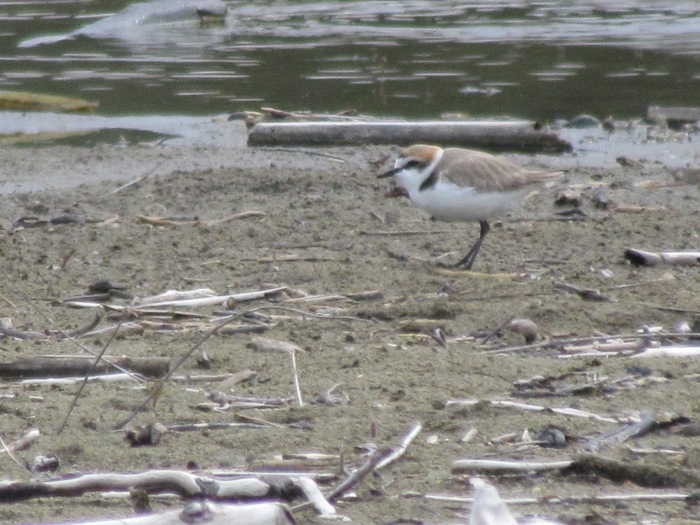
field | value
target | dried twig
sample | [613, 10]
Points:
[314, 496]
[585, 293]
[185, 484]
[622, 434]
[136, 180]
[400, 450]
[176, 221]
[359, 474]
[155, 391]
[505, 403]
[553, 343]
[491, 465]
[575, 500]
[87, 375]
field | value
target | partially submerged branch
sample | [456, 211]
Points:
[500, 135]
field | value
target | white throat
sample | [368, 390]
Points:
[411, 179]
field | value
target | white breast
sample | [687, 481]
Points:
[451, 203]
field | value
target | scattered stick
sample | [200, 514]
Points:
[34, 336]
[58, 366]
[504, 403]
[155, 391]
[413, 430]
[314, 496]
[190, 427]
[93, 365]
[554, 343]
[346, 115]
[201, 297]
[176, 221]
[575, 500]
[640, 428]
[393, 233]
[644, 258]
[7, 300]
[358, 475]
[136, 180]
[585, 293]
[185, 484]
[106, 378]
[262, 344]
[492, 465]
[221, 402]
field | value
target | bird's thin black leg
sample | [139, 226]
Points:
[469, 259]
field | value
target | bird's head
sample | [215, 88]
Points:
[414, 166]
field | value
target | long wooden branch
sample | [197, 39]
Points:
[75, 366]
[645, 258]
[622, 434]
[501, 135]
[184, 484]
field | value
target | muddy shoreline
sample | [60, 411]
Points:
[328, 231]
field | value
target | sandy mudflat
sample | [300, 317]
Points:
[326, 231]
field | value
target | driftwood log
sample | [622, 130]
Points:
[492, 135]
[184, 484]
[645, 258]
[79, 366]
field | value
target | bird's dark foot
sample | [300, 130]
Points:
[452, 266]
[466, 263]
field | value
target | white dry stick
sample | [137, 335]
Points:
[198, 297]
[505, 403]
[204, 297]
[262, 344]
[569, 500]
[185, 484]
[400, 450]
[491, 465]
[174, 295]
[107, 378]
[120, 329]
[297, 389]
[645, 258]
[314, 495]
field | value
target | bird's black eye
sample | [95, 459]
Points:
[411, 164]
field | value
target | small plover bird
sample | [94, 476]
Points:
[462, 185]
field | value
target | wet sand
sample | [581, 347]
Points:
[327, 230]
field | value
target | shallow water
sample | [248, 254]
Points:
[537, 60]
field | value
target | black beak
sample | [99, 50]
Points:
[389, 173]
